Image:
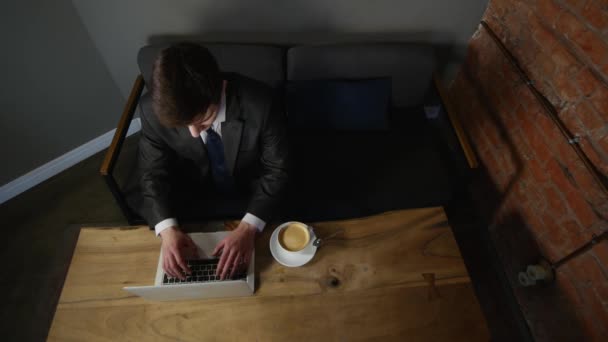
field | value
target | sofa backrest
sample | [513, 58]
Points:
[265, 63]
[410, 66]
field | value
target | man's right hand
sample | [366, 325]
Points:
[177, 247]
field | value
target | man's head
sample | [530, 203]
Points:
[186, 87]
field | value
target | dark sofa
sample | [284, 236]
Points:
[416, 161]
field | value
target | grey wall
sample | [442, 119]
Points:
[55, 91]
[120, 28]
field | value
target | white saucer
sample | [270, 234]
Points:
[290, 259]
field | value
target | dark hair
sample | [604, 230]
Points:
[185, 81]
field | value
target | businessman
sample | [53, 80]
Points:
[232, 129]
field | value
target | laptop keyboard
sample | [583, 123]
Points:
[203, 271]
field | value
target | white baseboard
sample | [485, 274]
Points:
[55, 166]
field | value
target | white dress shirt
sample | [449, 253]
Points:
[217, 126]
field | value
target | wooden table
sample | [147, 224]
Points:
[395, 276]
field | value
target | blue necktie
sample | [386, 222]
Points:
[215, 148]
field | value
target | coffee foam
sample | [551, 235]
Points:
[294, 237]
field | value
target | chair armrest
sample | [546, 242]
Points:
[462, 137]
[123, 126]
[114, 150]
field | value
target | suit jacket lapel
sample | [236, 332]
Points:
[232, 128]
[194, 144]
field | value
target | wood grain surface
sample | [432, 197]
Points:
[395, 276]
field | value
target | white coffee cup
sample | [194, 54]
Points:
[295, 237]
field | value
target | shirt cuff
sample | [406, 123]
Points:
[164, 224]
[255, 221]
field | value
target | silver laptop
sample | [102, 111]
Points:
[202, 283]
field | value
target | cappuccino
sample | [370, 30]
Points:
[294, 237]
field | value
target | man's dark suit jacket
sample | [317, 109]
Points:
[255, 143]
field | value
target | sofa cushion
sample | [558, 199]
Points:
[338, 104]
[410, 66]
[265, 63]
[338, 175]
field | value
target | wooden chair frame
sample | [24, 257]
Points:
[107, 167]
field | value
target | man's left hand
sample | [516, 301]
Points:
[236, 249]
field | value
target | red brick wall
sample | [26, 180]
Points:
[536, 192]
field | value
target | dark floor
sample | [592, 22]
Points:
[39, 230]
[41, 226]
